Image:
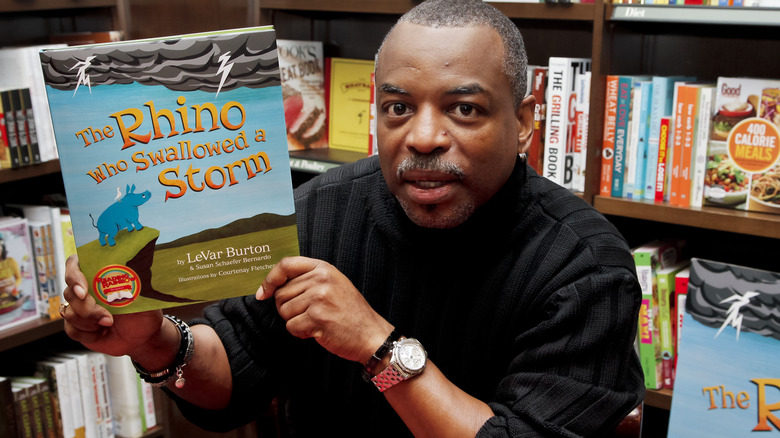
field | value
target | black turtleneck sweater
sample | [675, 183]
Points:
[530, 306]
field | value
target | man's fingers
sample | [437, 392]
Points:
[287, 269]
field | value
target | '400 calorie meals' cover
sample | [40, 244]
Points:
[174, 158]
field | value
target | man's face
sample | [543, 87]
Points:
[447, 130]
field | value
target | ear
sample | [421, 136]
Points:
[525, 124]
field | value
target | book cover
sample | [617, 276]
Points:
[664, 138]
[667, 318]
[608, 140]
[349, 96]
[177, 172]
[559, 128]
[302, 67]
[727, 379]
[637, 141]
[701, 144]
[18, 292]
[661, 104]
[743, 164]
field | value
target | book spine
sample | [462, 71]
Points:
[30, 126]
[677, 144]
[648, 314]
[642, 146]
[658, 104]
[5, 150]
[665, 304]
[538, 89]
[632, 145]
[556, 120]
[680, 292]
[24, 416]
[621, 135]
[664, 137]
[11, 127]
[699, 161]
[582, 92]
[8, 421]
[608, 140]
[21, 128]
[691, 97]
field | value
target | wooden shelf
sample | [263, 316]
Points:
[696, 14]
[711, 218]
[552, 11]
[29, 332]
[40, 5]
[660, 398]
[21, 173]
[320, 160]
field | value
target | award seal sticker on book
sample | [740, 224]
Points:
[175, 163]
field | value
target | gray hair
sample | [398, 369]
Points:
[468, 13]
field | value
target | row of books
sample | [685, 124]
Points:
[663, 274]
[77, 394]
[35, 242]
[559, 145]
[718, 3]
[689, 143]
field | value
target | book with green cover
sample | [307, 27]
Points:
[666, 317]
[175, 163]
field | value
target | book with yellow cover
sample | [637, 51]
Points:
[350, 97]
[175, 163]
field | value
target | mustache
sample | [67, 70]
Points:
[430, 163]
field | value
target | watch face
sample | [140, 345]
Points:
[411, 356]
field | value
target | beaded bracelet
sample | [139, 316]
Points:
[380, 353]
[183, 357]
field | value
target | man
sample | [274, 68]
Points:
[524, 297]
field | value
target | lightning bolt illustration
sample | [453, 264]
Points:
[224, 68]
[734, 318]
[82, 73]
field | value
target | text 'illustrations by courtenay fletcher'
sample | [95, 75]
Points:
[174, 158]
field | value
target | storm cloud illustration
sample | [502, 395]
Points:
[217, 63]
[709, 302]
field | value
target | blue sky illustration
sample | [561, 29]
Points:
[269, 192]
[705, 361]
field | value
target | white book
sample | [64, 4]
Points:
[75, 392]
[125, 397]
[147, 400]
[99, 374]
[701, 143]
[582, 113]
[57, 374]
[86, 386]
[560, 87]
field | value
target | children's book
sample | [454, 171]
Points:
[175, 163]
[727, 378]
[302, 67]
[18, 285]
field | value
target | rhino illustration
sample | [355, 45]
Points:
[120, 215]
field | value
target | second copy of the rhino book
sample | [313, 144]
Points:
[174, 158]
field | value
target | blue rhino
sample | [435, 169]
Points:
[120, 215]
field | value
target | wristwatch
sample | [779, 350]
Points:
[408, 359]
